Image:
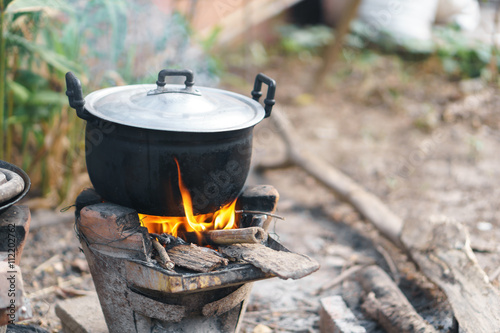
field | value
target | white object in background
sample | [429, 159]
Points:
[403, 20]
[465, 13]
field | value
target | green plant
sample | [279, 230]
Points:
[31, 70]
[39, 42]
[304, 41]
[460, 56]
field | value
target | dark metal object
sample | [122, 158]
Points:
[75, 96]
[255, 212]
[174, 72]
[271, 90]
[27, 185]
[135, 167]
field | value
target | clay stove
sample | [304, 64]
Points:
[138, 295]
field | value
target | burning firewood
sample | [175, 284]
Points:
[168, 240]
[215, 237]
[236, 236]
[163, 258]
[196, 258]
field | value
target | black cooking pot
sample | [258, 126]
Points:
[138, 137]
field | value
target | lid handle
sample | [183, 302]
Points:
[271, 90]
[161, 83]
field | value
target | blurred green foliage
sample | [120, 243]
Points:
[39, 42]
[460, 56]
[304, 41]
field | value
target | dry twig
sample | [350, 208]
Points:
[344, 275]
[390, 262]
[163, 258]
[47, 263]
[63, 284]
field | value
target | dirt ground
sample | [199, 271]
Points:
[422, 143]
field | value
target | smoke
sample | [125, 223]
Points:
[130, 42]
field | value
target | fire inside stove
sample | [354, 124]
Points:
[182, 226]
[186, 288]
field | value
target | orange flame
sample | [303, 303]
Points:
[224, 218]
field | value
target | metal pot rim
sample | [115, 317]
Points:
[207, 110]
[27, 184]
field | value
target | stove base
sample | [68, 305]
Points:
[137, 296]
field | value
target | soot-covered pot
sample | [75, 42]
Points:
[141, 140]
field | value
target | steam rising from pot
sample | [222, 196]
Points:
[127, 42]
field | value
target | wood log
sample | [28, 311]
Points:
[13, 186]
[367, 204]
[385, 303]
[164, 259]
[196, 258]
[261, 198]
[283, 264]
[236, 236]
[169, 240]
[257, 198]
[441, 248]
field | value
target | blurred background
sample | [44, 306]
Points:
[402, 96]
[110, 42]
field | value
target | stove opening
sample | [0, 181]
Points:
[189, 225]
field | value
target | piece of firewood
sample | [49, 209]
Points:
[257, 198]
[441, 248]
[386, 304]
[13, 186]
[283, 264]
[164, 259]
[196, 258]
[237, 236]
[367, 204]
[168, 240]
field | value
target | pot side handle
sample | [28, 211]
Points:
[75, 96]
[271, 90]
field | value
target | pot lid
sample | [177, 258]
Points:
[175, 107]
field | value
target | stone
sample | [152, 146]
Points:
[81, 315]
